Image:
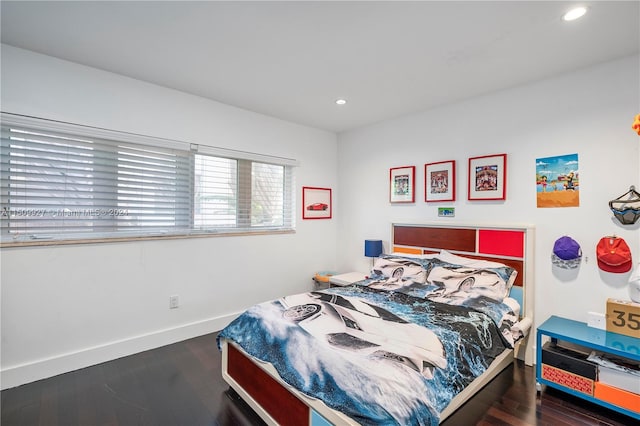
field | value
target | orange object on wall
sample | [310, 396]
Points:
[619, 397]
[636, 124]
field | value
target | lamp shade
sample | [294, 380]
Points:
[372, 248]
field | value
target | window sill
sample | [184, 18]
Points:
[53, 242]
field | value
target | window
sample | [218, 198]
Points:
[69, 182]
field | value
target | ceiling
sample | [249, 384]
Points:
[293, 59]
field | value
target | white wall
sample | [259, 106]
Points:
[589, 112]
[71, 306]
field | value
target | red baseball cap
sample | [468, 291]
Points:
[613, 255]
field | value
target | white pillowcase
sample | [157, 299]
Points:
[448, 257]
[399, 269]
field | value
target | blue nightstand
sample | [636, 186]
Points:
[578, 333]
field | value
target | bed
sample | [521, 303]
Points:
[437, 318]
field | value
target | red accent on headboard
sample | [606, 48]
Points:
[502, 243]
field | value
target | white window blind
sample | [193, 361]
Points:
[267, 195]
[153, 186]
[216, 192]
[61, 181]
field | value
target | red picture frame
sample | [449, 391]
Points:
[316, 203]
[440, 181]
[487, 178]
[402, 184]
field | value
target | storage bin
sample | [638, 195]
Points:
[568, 368]
[623, 373]
[569, 360]
[619, 379]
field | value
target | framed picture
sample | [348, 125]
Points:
[440, 181]
[488, 177]
[316, 203]
[402, 184]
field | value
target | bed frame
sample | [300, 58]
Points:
[277, 403]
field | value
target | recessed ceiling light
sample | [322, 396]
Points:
[574, 13]
[341, 101]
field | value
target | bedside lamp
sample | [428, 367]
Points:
[372, 249]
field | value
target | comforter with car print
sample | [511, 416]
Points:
[380, 357]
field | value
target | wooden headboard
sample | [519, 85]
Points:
[512, 245]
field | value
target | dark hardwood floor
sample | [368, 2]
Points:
[181, 384]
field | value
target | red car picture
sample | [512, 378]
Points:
[317, 206]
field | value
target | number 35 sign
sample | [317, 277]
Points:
[623, 317]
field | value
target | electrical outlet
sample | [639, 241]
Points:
[174, 301]
[596, 320]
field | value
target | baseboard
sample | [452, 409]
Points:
[41, 369]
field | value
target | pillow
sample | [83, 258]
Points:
[422, 260]
[458, 279]
[480, 263]
[391, 272]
